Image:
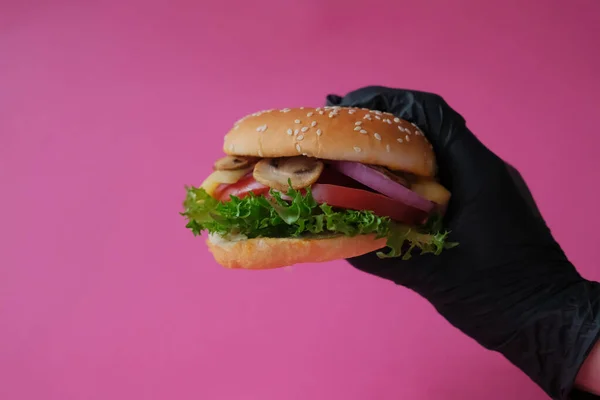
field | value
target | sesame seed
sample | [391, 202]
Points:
[363, 131]
[304, 129]
[387, 148]
[332, 114]
[377, 117]
[396, 120]
[318, 109]
[297, 121]
[358, 123]
[290, 132]
[400, 128]
[296, 131]
[298, 148]
[305, 154]
[302, 108]
[299, 137]
[313, 124]
[358, 128]
[321, 112]
[400, 140]
[286, 110]
[351, 111]
[407, 138]
[378, 112]
[357, 149]
[388, 121]
[413, 124]
[377, 136]
[367, 116]
[261, 128]
[309, 114]
[319, 132]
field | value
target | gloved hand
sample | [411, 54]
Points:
[508, 284]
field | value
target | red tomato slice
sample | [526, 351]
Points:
[240, 189]
[357, 199]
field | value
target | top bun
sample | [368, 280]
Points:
[334, 133]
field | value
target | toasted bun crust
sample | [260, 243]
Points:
[269, 253]
[334, 133]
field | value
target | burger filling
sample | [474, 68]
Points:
[300, 197]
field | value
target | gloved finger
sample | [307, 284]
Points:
[466, 166]
[524, 191]
[408, 273]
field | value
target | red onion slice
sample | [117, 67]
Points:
[378, 181]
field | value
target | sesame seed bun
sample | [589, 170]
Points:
[334, 133]
[269, 253]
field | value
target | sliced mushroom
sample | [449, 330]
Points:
[233, 163]
[277, 172]
[396, 177]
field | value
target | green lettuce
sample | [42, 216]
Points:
[301, 216]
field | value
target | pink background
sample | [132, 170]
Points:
[106, 111]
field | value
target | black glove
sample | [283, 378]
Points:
[508, 284]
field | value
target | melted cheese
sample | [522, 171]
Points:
[431, 190]
[212, 182]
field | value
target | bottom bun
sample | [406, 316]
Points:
[268, 253]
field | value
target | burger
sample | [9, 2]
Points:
[308, 185]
